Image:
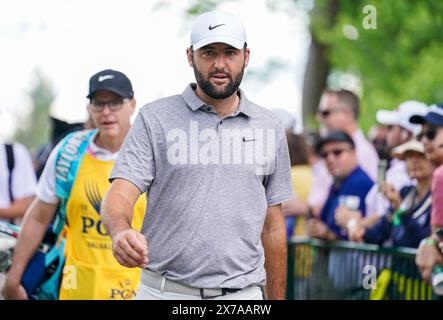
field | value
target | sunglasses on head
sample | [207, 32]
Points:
[335, 152]
[429, 134]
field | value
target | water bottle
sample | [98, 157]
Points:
[381, 173]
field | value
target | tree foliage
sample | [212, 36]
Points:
[199, 6]
[399, 60]
[34, 128]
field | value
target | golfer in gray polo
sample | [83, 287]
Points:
[215, 169]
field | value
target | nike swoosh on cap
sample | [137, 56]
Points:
[213, 27]
[103, 78]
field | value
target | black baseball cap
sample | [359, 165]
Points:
[433, 117]
[335, 136]
[113, 81]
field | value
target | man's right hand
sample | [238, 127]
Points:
[130, 248]
[13, 290]
[427, 257]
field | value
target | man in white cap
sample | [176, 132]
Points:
[400, 130]
[214, 228]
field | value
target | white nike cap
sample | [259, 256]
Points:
[217, 26]
[402, 115]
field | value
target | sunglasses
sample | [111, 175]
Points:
[327, 113]
[324, 113]
[429, 134]
[335, 152]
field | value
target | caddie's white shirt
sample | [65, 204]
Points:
[46, 186]
[23, 175]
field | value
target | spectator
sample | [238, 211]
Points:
[17, 185]
[17, 181]
[408, 220]
[350, 187]
[430, 249]
[339, 111]
[301, 177]
[400, 130]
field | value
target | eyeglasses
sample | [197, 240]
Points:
[335, 152]
[114, 105]
[429, 134]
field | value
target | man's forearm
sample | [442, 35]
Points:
[371, 220]
[275, 246]
[116, 212]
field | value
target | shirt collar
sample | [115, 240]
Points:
[100, 153]
[194, 102]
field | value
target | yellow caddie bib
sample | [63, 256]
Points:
[91, 271]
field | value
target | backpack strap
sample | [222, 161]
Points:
[11, 163]
[68, 159]
[70, 154]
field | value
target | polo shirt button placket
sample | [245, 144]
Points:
[219, 125]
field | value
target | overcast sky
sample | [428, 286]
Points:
[147, 40]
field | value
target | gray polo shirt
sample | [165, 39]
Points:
[209, 182]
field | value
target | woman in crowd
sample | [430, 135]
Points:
[408, 220]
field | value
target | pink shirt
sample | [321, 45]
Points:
[437, 197]
[321, 181]
[367, 156]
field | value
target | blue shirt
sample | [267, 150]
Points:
[353, 189]
[415, 223]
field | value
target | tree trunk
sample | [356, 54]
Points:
[317, 70]
[318, 67]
